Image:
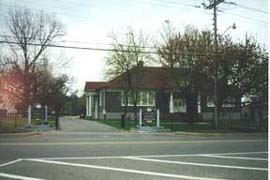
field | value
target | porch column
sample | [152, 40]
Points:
[104, 100]
[171, 102]
[86, 106]
[140, 117]
[90, 105]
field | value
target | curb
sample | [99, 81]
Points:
[24, 134]
[232, 134]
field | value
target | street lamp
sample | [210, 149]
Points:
[233, 26]
[168, 29]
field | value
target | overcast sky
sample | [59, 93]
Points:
[89, 22]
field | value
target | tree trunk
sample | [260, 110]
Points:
[191, 101]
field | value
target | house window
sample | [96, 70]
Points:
[179, 105]
[124, 100]
[145, 98]
[210, 101]
[151, 98]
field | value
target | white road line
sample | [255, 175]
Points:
[111, 157]
[123, 170]
[235, 157]
[239, 153]
[10, 162]
[157, 156]
[183, 155]
[197, 164]
[79, 158]
[13, 176]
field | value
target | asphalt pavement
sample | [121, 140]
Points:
[74, 124]
[89, 150]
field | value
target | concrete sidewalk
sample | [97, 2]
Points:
[244, 135]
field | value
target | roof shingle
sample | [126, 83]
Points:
[143, 77]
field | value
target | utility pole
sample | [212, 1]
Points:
[213, 6]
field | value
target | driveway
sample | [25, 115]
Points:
[75, 124]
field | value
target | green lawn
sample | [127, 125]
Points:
[174, 126]
[197, 127]
[183, 126]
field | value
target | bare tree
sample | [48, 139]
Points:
[30, 34]
[125, 61]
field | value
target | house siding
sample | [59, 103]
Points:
[113, 102]
[162, 101]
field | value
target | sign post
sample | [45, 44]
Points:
[158, 118]
[29, 115]
[46, 114]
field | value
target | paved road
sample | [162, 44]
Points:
[99, 153]
[74, 124]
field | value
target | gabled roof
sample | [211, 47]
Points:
[94, 85]
[143, 77]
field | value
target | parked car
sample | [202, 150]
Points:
[82, 114]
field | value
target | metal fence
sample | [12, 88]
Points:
[12, 121]
[246, 118]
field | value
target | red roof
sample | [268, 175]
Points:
[94, 85]
[144, 77]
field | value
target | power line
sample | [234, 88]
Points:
[103, 49]
[250, 8]
[178, 3]
[106, 44]
[94, 43]
[248, 18]
[157, 2]
[50, 11]
[77, 47]
[241, 16]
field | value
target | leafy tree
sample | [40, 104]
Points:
[184, 54]
[239, 68]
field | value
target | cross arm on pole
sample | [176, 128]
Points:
[215, 3]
